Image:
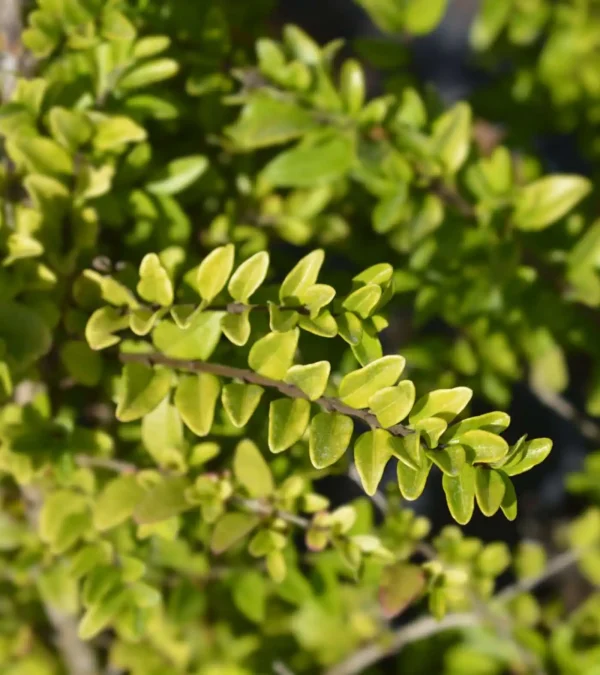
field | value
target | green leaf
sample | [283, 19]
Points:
[240, 401]
[251, 470]
[350, 328]
[213, 272]
[197, 341]
[486, 447]
[489, 489]
[248, 277]
[316, 297]
[412, 482]
[195, 399]
[162, 435]
[116, 502]
[267, 120]
[178, 175]
[142, 389]
[529, 560]
[142, 320]
[489, 22]
[450, 460]
[237, 327]
[250, 595]
[301, 278]
[357, 388]
[40, 155]
[401, 584]
[509, 502]
[548, 199]
[311, 379]
[323, 325]
[101, 327]
[319, 163]
[363, 301]
[408, 450]
[69, 127]
[529, 455]
[276, 566]
[230, 528]
[163, 500]
[148, 73]
[112, 133]
[282, 320]
[421, 18]
[99, 616]
[392, 404]
[372, 452]
[452, 137]
[494, 422]
[445, 404]
[272, 355]
[330, 435]
[352, 86]
[154, 285]
[460, 494]
[379, 274]
[288, 419]
[82, 363]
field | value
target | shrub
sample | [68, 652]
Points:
[214, 246]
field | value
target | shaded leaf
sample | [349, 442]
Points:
[401, 584]
[489, 490]
[230, 528]
[240, 401]
[142, 389]
[195, 399]
[460, 494]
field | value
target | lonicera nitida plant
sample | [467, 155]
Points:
[209, 237]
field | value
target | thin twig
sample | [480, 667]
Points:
[558, 564]
[329, 404]
[360, 660]
[78, 656]
[422, 628]
[565, 409]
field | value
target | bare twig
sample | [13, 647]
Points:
[79, 657]
[565, 409]
[558, 564]
[327, 403]
[422, 628]
[360, 660]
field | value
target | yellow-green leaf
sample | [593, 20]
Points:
[489, 489]
[485, 446]
[163, 500]
[251, 470]
[237, 327]
[230, 528]
[213, 272]
[527, 456]
[195, 399]
[548, 199]
[102, 325]
[372, 451]
[154, 285]
[272, 355]
[357, 388]
[460, 494]
[301, 278]
[142, 389]
[412, 481]
[288, 419]
[311, 378]
[450, 460]
[494, 422]
[392, 404]
[116, 502]
[443, 403]
[363, 301]
[330, 435]
[240, 401]
[248, 277]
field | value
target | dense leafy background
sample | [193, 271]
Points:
[259, 291]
